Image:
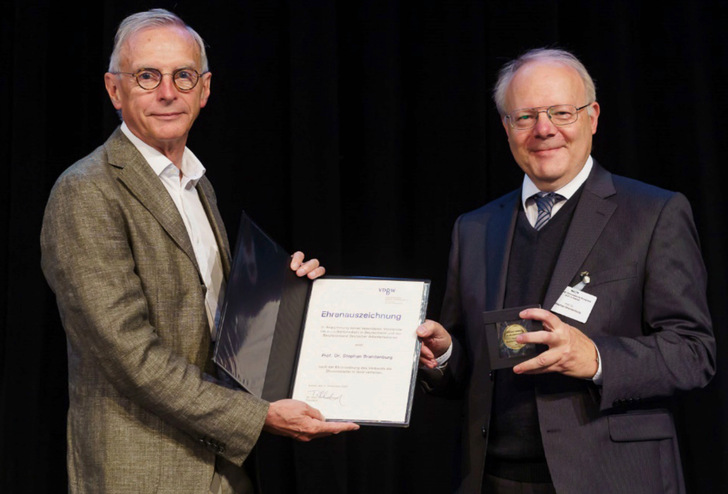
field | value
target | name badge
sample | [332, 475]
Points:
[574, 303]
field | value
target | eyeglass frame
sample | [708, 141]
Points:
[135, 75]
[511, 121]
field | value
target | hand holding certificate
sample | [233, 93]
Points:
[300, 421]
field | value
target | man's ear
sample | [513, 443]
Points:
[111, 81]
[506, 125]
[206, 80]
[594, 116]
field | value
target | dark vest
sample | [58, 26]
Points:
[515, 449]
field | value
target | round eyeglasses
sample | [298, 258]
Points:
[559, 115]
[184, 79]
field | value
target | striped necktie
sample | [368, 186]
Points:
[545, 202]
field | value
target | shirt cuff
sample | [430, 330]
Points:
[597, 378]
[442, 359]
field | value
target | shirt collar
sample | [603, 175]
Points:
[568, 190]
[192, 168]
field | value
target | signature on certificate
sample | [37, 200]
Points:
[315, 395]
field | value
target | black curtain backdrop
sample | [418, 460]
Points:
[356, 131]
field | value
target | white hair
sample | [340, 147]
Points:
[505, 76]
[151, 18]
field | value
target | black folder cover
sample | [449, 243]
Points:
[260, 322]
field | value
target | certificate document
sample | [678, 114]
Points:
[359, 351]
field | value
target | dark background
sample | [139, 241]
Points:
[356, 131]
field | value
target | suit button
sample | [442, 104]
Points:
[484, 431]
[491, 375]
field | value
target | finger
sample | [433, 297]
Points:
[548, 319]
[328, 428]
[317, 273]
[539, 364]
[297, 260]
[307, 267]
[304, 438]
[429, 329]
[429, 363]
[536, 337]
[423, 331]
[313, 412]
[426, 353]
[319, 428]
[336, 427]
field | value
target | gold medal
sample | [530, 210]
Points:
[510, 334]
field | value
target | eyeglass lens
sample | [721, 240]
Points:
[184, 79]
[559, 115]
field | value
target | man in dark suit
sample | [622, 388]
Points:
[590, 413]
[135, 249]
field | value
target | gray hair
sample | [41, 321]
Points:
[151, 18]
[505, 76]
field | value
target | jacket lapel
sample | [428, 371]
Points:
[591, 215]
[204, 191]
[498, 242]
[141, 181]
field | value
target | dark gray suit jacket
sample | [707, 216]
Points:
[650, 323]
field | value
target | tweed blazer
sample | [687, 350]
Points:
[145, 413]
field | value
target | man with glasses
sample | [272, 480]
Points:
[134, 248]
[616, 268]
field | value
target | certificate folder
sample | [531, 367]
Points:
[259, 327]
[345, 345]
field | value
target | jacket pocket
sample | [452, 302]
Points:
[641, 426]
[613, 274]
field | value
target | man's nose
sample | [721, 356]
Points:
[166, 88]
[544, 125]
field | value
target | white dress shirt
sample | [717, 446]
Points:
[181, 185]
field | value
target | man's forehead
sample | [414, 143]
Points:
[162, 47]
[544, 83]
